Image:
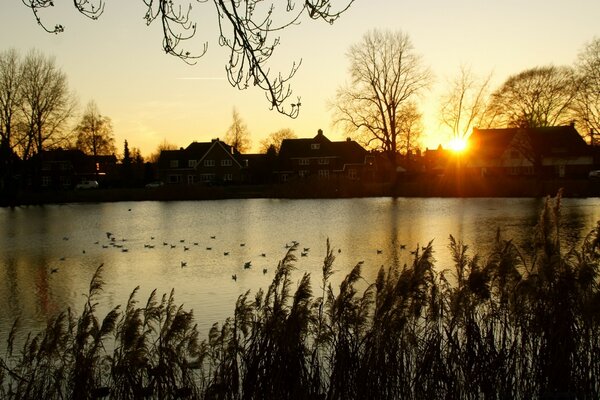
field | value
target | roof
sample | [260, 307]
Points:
[349, 150]
[548, 141]
[195, 151]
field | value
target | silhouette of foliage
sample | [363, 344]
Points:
[386, 74]
[245, 28]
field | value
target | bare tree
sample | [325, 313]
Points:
[537, 97]
[237, 135]
[164, 145]
[95, 133]
[47, 104]
[410, 126]
[11, 82]
[245, 28]
[385, 73]
[587, 103]
[274, 140]
[465, 105]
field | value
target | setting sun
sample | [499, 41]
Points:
[458, 145]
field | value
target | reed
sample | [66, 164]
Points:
[511, 324]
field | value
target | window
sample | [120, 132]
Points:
[190, 179]
[323, 173]
[352, 174]
[303, 173]
[228, 177]
[209, 163]
[207, 177]
[192, 163]
[226, 163]
[284, 177]
[64, 166]
[174, 178]
[303, 161]
[315, 146]
[323, 161]
[45, 181]
[174, 163]
[65, 181]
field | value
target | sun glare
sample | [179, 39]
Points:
[458, 145]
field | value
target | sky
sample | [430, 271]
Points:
[118, 61]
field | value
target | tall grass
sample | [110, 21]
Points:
[512, 324]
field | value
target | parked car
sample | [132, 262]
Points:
[152, 185]
[87, 185]
[594, 175]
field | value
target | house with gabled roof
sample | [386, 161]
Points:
[213, 162]
[554, 152]
[322, 158]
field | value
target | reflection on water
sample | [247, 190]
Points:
[145, 243]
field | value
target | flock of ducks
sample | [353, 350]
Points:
[121, 244]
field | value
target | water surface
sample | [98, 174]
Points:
[49, 253]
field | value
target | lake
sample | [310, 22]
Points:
[48, 254]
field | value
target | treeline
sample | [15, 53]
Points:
[39, 112]
[504, 326]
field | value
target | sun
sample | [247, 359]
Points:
[458, 145]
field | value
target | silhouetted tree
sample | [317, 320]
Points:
[47, 104]
[587, 102]
[273, 141]
[164, 145]
[11, 82]
[465, 105]
[410, 127]
[126, 163]
[537, 97]
[245, 28]
[385, 74]
[94, 132]
[237, 134]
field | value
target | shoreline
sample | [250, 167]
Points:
[331, 189]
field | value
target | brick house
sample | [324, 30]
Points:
[63, 169]
[320, 157]
[213, 162]
[552, 152]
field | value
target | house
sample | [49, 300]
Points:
[213, 162]
[64, 168]
[435, 161]
[551, 152]
[321, 158]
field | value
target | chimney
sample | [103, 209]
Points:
[348, 140]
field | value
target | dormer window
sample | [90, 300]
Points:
[191, 163]
[315, 146]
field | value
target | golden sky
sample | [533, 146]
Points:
[150, 96]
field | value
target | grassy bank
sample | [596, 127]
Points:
[511, 324]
